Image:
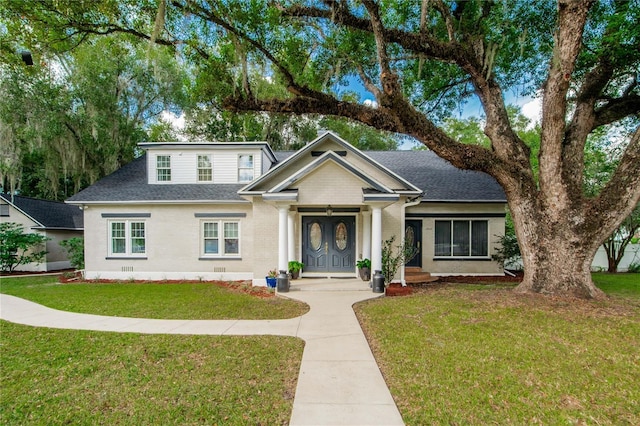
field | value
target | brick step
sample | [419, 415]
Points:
[412, 270]
[416, 276]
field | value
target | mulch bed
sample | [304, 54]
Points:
[396, 290]
[67, 276]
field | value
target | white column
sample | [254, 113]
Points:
[376, 239]
[283, 252]
[366, 235]
[291, 233]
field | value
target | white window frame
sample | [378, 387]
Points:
[451, 242]
[204, 169]
[240, 169]
[165, 169]
[128, 237]
[221, 238]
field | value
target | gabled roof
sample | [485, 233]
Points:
[47, 214]
[422, 170]
[405, 186]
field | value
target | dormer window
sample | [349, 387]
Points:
[163, 168]
[245, 168]
[205, 171]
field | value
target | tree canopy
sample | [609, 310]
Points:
[420, 60]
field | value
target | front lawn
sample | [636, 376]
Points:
[478, 355]
[626, 284]
[55, 377]
[151, 300]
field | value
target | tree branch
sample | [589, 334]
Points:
[621, 194]
[615, 110]
[572, 16]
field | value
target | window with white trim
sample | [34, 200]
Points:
[163, 168]
[245, 168]
[461, 238]
[127, 238]
[220, 238]
[205, 170]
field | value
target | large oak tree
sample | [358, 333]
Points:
[420, 59]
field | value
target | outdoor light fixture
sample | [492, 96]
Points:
[329, 210]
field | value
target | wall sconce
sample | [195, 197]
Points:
[329, 210]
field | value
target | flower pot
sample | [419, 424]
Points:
[396, 289]
[271, 282]
[365, 274]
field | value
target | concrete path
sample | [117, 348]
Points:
[339, 381]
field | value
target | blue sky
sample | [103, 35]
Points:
[530, 107]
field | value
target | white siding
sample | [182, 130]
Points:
[184, 165]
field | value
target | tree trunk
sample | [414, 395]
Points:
[612, 266]
[556, 256]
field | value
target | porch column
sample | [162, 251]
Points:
[376, 239]
[366, 235]
[283, 227]
[291, 232]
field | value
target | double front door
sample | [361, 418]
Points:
[329, 243]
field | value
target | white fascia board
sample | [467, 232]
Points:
[380, 197]
[280, 196]
[328, 156]
[40, 225]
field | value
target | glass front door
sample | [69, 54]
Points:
[328, 243]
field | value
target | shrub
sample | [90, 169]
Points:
[18, 247]
[391, 262]
[75, 249]
[634, 268]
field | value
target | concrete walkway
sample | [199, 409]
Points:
[339, 381]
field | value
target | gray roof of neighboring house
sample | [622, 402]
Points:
[49, 214]
[439, 180]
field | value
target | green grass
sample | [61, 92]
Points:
[479, 355]
[80, 377]
[627, 284]
[151, 300]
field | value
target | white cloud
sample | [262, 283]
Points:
[533, 110]
[177, 122]
[370, 103]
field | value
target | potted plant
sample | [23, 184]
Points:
[294, 269]
[271, 278]
[364, 269]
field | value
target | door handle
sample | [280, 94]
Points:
[326, 248]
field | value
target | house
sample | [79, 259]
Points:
[234, 211]
[54, 220]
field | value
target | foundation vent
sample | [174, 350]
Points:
[127, 269]
[219, 269]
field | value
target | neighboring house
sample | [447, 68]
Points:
[234, 211]
[56, 221]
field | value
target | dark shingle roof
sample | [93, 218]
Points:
[49, 214]
[439, 180]
[129, 183]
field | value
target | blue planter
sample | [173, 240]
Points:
[271, 282]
